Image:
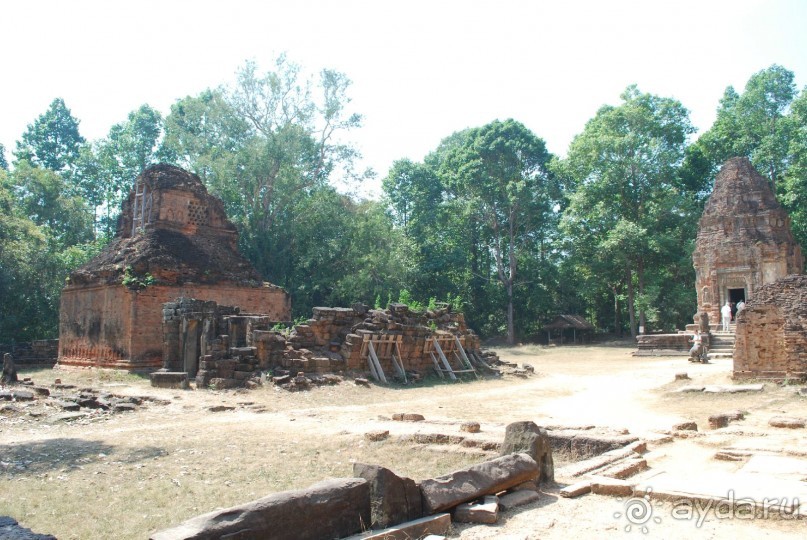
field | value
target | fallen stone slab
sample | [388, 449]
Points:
[598, 462]
[575, 490]
[611, 486]
[67, 405]
[626, 469]
[685, 426]
[789, 422]
[328, 509]
[691, 388]
[733, 389]
[22, 395]
[518, 498]
[717, 421]
[408, 417]
[66, 417]
[377, 435]
[478, 512]
[170, 379]
[527, 437]
[124, 407]
[221, 408]
[484, 478]
[11, 530]
[433, 527]
[393, 499]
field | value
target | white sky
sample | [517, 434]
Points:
[420, 69]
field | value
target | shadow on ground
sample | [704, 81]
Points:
[51, 454]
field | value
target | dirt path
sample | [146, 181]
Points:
[126, 475]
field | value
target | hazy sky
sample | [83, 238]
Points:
[420, 69]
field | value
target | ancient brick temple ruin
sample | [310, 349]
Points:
[223, 348]
[173, 240]
[771, 339]
[744, 240]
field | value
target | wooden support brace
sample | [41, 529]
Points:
[374, 358]
[444, 360]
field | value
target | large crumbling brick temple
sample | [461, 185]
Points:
[173, 240]
[744, 239]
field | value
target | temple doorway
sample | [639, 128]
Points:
[735, 295]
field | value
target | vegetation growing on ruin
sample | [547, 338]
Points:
[489, 220]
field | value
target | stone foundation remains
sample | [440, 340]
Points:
[223, 347]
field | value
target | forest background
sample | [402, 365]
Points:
[490, 221]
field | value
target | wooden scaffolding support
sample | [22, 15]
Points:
[440, 348]
[383, 347]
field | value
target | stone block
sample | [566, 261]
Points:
[484, 478]
[427, 528]
[329, 509]
[486, 511]
[470, 427]
[685, 426]
[408, 417]
[530, 439]
[787, 422]
[611, 486]
[221, 383]
[575, 490]
[169, 379]
[393, 499]
[518, 498]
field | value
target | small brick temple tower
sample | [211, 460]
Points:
[744, 239]
[173, 240]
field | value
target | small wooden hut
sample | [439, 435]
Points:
[563, 323]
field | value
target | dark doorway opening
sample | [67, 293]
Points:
[735, 295]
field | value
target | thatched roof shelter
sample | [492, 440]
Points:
[562, 323]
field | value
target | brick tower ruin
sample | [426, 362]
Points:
[173, 240]
[744, 239]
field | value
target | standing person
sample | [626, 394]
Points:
[740, 305]
[725, 313]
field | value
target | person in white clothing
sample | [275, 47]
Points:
[725, 313]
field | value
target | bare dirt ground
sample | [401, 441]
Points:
[126, 475]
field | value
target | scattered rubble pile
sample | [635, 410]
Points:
[393, 506]
[235, 349]
[66, 402]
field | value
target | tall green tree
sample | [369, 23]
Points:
[794, 186]
[44, 233]
[106, 169]
[53, 141]
[754, 124]
[270, 147]
[629, 199]
[3, 162]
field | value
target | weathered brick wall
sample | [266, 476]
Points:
[771, 340]
[116, 327]
[42, 352]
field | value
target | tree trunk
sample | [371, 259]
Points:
[640, 274]
[511, 331]
[631, 303]
[617, 320]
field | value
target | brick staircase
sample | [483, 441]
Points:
[722, 346]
